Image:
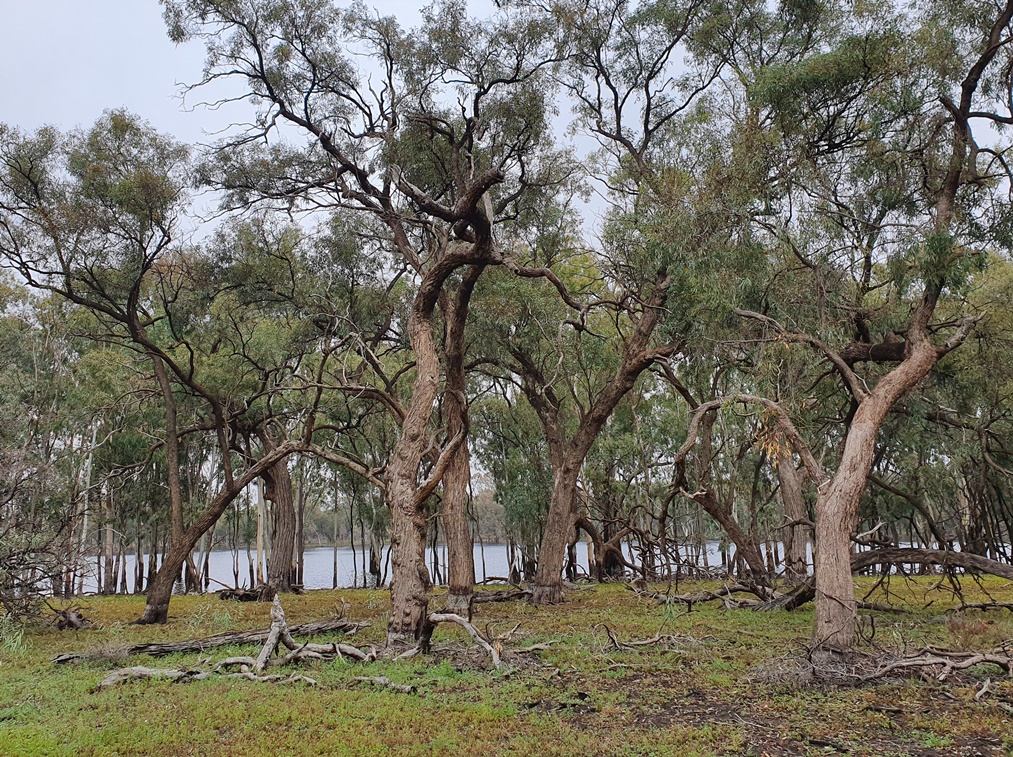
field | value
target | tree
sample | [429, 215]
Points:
[422, 171]
[903, 203]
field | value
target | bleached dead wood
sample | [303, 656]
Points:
[232, 638]
[942, 663]
[142, 673]
[476, 635]
[386, 683]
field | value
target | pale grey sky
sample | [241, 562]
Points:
[65, 61]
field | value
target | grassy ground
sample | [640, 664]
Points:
[724, 686]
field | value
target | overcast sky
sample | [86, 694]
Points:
[65, 61]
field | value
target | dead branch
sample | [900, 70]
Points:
[278, 626]
[476, 635]
[232, 638]
[945, 661]
[386, 683]
[537, 647]
[138, 673]
[983, 606]
[501, 596]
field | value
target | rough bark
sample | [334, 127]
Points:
[410, 583]
[457, 480]
[278, 485]
[795, 532]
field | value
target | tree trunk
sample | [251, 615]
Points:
[457, 479]
[796, 534]
[410, 583]
[278, 485]
[456, 526]
[837, 505]
[559, 525]
[156, 610]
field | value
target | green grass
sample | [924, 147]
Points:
[701, 696]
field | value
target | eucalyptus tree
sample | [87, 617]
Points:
[673, 205]
[90, 217]
[415, 130]
[884, 199]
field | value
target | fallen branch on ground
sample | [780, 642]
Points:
[501, 596]
[493, 648]
[141, 673]
[232, 638]
[278, 635]
[946, 661]
[386, 683]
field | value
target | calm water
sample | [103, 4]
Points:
[319, 565]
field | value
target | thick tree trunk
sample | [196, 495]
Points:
[410, 583]
[837, 505]
[796, 534]
[278, 485]
[559, 525]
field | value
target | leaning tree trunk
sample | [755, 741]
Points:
[278, 485]
[156, 608]
[837, 504]
[548, 586]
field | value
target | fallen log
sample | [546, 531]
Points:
[238, 638]
[249, 668]
[806, 591]
[140, 673]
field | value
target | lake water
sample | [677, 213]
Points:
[490, 561]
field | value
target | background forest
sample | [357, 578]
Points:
[646, 276]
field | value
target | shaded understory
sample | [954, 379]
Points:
[720, 682]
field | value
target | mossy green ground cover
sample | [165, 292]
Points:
[720, 694]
